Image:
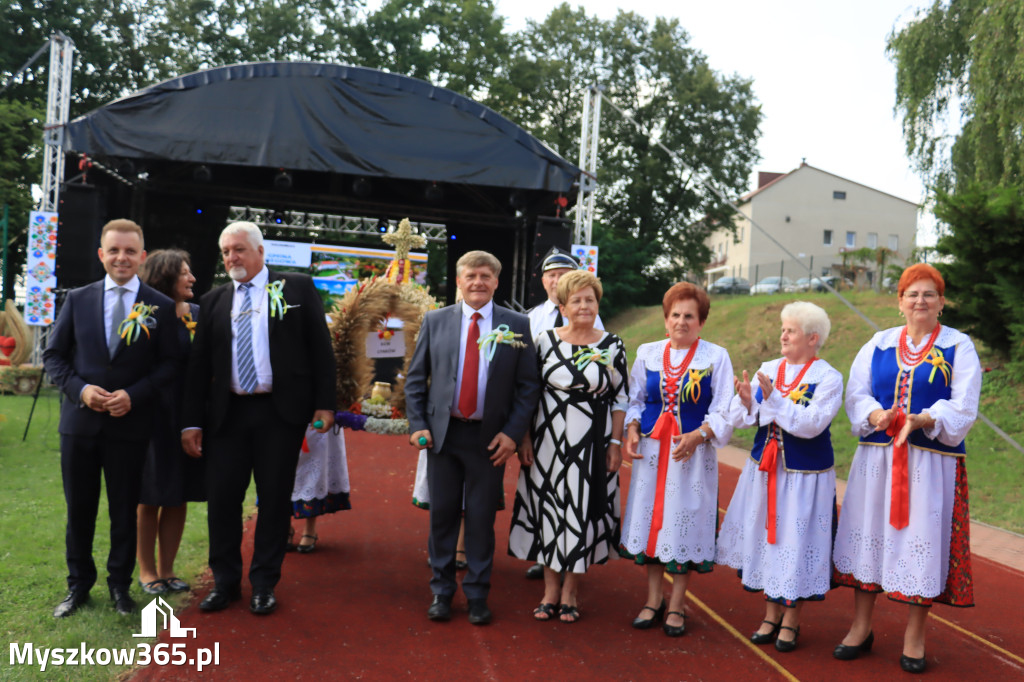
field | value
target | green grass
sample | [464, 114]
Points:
[32, 569]
[748, 327]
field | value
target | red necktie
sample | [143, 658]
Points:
[470, 369]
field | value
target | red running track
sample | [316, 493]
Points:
[356, 609]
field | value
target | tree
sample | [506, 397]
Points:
[457, 44]
[654, 213]
[984, 272]
[957, 64]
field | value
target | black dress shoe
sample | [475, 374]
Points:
[912, 665]
[70, 603]
[648, 623]
[535, 572]
[220, 598]
[123, 602]
[263, 602]
[787, 645]
[441, 608]
[846, 652]
[766, 637]
[675, 630]
[479, 614]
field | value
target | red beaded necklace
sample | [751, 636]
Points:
[674, 373]
[909, 358]
[780, 377]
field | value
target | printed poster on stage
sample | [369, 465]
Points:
[336, 269]
[587, 256]
[41, 269]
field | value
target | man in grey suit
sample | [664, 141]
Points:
[469, 409]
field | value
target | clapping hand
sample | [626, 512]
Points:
[743, 389]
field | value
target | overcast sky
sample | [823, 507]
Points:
[819, 70]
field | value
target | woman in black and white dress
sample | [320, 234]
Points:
[566, 514]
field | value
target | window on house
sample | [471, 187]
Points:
[894, 242]
[872, 240]
[851, 240]
[828, 238]
[837, 194]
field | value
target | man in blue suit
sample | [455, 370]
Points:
[469, 409]
[110, 381]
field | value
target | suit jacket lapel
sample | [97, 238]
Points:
[271, 318]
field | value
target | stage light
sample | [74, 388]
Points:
[362, 187]
[283, 180]
[202, 174]
[280, 217]
[199, 211]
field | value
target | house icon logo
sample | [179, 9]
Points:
[159, 615]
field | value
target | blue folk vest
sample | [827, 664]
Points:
[928, 383]
[693, 401]
[803, 455]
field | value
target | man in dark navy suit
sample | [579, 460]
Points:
[470, 409]
[262, 368]
[110, 366]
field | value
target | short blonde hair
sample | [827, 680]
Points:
[123, 225]
[812, 319]
[577, 280]
[478, 259]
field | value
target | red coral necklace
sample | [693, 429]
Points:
[909, 358]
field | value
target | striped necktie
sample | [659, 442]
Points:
[243, 336]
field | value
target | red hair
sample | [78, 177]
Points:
[916, 273]
[683, 291]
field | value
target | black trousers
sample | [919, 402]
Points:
[462, 465]
[253, 443]
[83, 459]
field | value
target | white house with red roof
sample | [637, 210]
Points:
[817, 216]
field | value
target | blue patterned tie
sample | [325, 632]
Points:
[246, 363]
[116, 318]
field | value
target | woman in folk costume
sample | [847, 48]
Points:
[779, 528]
[679, 394]
[912, 397]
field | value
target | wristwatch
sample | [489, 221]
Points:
[703, 434]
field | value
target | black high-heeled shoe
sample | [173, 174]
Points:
[767, 637]
[785, 646]
[648, 623]
[913, 665]
[845, 652]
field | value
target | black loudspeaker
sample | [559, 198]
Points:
[550, 232]
[81, 217]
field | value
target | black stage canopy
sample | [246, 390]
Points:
[325, 138]
[324, 118]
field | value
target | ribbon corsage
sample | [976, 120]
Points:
[585, 355]
[691, 389]
[939, 363]
[278, 306]
[801, 395]
[190, 325]
[140, 319]
[489, 343]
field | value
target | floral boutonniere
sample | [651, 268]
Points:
[585, 355]
[140, 319]
[278, 306]
[190, 325]
[489, 343]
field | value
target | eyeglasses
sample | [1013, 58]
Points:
[928, 296]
